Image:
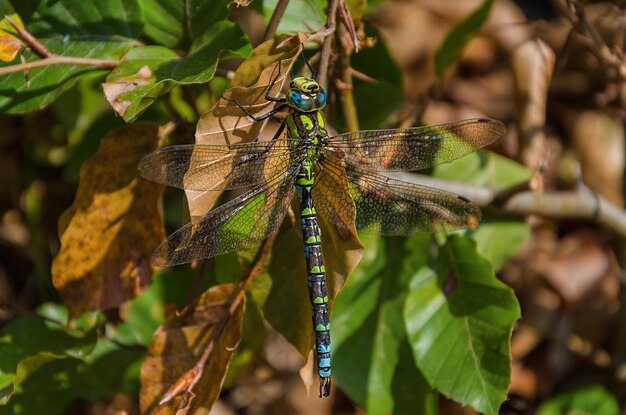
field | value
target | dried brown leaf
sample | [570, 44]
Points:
[176, 355]
[533, 65]
[112, 90]
[600, 145]
[577, 266]
[111, 229]
[226, 123]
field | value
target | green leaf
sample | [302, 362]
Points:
[484, 168]
[29, 342]
[77, 28]
[376, 102]
[590, 400]
[152, 71]
[459, 319]
[165, 22]
[59, 382]
[497, 239]
[372, 361]
[178, 23]
[300, 16]
[460, 36]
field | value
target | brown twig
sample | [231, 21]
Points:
[346, 98]
[60, 60]
[49, 58]
[35, 44]
[331, 23]
[279, 11]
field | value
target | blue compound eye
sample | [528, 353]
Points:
[320, 99]
[301, 101]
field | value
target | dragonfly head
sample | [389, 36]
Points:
[306, 95]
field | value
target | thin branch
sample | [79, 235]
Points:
[581, 203]
[60, 60]
[279, 11]
[346, 97]
[35, 44]
[331, 23]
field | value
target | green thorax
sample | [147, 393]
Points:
[306, 98]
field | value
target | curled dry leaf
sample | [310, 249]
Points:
[577, 266]
[189, 355]
[113, 90]
[111, 229]
[226, 123]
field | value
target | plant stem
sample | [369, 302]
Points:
[279, 11]
[322, 72]
[59, 60]
[345, 94]
[35, 44]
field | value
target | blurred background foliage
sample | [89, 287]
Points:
[552, 71]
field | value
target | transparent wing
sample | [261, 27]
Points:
[209, 167]
[331, 194]
[393, 207]
[414, 148]
[240, 223]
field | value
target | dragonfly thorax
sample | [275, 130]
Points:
[306, 95]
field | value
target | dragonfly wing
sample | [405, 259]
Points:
[393, 207]
[237, 224]
[331, 194]
[415, 148]
[208, 167]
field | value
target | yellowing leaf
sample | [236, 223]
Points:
[189, 355]
[10, 43]
[111, 229]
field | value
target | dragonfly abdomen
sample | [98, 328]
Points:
[318, 292]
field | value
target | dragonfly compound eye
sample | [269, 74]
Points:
[301, 101]
[320, 99]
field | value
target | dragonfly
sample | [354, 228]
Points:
[337, 177]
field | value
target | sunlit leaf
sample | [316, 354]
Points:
[484, 168]
[497, 240]
[109, 233]
[460, 36]
[459, 319]
[300, 16]
[372, 360]
[69, 28]
[177, 348]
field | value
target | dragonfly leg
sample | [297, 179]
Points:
[267, 93]
[251, 115]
